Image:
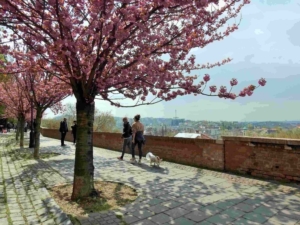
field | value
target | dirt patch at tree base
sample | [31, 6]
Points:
[112, 196]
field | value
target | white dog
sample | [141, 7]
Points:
[153, 159]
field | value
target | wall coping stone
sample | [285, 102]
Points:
[280, 141]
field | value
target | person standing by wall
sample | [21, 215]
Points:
[126, 137]
[74, 131]
[137, 138]
[25, 127]
[8, 125]
[63, 129]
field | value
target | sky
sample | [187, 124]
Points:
[267, 44]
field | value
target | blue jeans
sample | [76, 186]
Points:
[126, 142]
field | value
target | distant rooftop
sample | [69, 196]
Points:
[187, 135]
[192, 135]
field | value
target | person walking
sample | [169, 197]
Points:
[25, 127]
[74, 131]
[8, 125]
[63, 129]
[126, 137]
[137, 138]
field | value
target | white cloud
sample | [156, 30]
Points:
[258, 31]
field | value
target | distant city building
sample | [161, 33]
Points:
[271, 131]
[176, 122]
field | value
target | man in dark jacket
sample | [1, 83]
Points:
[126, 137]
[63, 129]
[74, 131]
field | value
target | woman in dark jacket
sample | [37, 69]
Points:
[126, 137]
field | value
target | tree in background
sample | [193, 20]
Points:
[103, 122]
[69, 112]
[114, 49]
[16, 104]
[44, 91]
[3, 78]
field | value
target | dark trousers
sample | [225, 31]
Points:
[139, 143]
[126, 143]
[62, 138]
[74, 138]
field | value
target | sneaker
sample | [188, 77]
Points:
[132, 160]
[119, 158]
[140, 161]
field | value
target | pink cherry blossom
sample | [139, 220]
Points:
[213, 88]
[223, 89]
[262, 82]
[206, 78]
[233, 82]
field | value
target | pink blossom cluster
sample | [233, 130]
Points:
[108, 48]
[223, 93]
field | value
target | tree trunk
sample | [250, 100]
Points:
[37, 130]
[18, 130]
[83, 184]
[22, 123]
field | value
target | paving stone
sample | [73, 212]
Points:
[279, 219]
[256, 217]
[244, 207]
[191, 206]
[180, 221]
[145, 222]
[242, 221]
[294, 206]
[172, 204]
[160, 218]
[203, 223]
[220, 219]
[45, 217]
[154, 201]
[4, 221]
[130, 219]
[18, 222]
[266, 211]
[42, 211]
[177, 212]
[158, 208]
[66, 222]
[142, 214]
[274, 205]
[197, 216]
[233, 213]
[224, 204]
[211, 209]
[61, 218]
[290, 214]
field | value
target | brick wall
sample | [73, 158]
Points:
[194, 152]
[261, 157]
